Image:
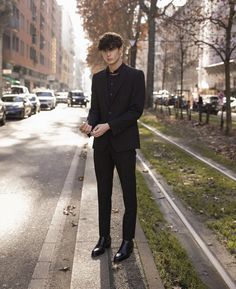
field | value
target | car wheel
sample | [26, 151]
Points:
[22, 115]
[3, 121]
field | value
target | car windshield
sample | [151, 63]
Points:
[12, 99]
[16, 90]
[44, 93]
[77, 94]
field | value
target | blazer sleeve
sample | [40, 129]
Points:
[94, 115]
[135, 108]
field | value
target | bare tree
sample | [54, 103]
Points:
[153, 12]
[216, 20]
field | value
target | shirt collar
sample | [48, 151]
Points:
[117, 71]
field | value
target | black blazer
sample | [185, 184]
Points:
[121, 112]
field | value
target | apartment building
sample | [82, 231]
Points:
[32, 44]
[211, 70]
[202, 67]
[68, 52]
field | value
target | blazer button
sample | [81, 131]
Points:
[109, 112]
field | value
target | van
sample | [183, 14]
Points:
[19, 89]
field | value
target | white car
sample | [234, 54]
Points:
[61, 96]
[47, 98]
[19, 89]
[233, 105]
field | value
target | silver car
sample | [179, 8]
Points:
[17, 105]
[2, 112]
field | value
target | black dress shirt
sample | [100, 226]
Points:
[112, 80]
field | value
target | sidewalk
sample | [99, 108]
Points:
[137, 272]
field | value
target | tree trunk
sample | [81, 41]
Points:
[1, 79]
[228, 126]
[134, 47]
[164, 70]
[151, 60]
[133, 54]
[181, 78]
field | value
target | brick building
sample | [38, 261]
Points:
[32, 44]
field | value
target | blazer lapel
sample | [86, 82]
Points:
[103, 85]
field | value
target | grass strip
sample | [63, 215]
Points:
[185, 134]
[175, 268]
[202, 189]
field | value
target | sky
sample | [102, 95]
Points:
[80, 39]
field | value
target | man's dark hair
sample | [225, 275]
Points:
[109, 41]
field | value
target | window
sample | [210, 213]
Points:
[33, 33]
[15, 43]
[22, 48]
[6, 41]
[22, 21]
[33, 54]
[41, 59]
[42, 42]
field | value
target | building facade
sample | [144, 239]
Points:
[32, 45]
[68, 52]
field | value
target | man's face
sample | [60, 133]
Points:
[112, 56]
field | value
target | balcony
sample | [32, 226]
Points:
[14, 24]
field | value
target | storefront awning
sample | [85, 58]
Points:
[219, 67]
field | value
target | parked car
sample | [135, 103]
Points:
[2, 112]
[77, 97]
[211, 104]
[61, 96]
[19, 89]
[232, 103]
[35, 102]
[17, 105]
[47, 98]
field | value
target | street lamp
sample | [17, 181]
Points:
[132, 54]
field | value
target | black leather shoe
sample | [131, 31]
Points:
[125, 251]
[102, 244]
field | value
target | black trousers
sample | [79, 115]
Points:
[124, 162]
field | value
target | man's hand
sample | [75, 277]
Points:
[85, 128]
[100, 129]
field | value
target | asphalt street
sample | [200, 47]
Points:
[35, 155]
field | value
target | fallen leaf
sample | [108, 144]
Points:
[65, 269]
[74, 224]
[69, 210]
[115, 211]
[116, 267]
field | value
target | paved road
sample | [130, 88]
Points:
[35, 156]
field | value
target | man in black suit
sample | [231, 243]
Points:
[117, 102]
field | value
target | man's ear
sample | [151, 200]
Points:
[121, 50]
